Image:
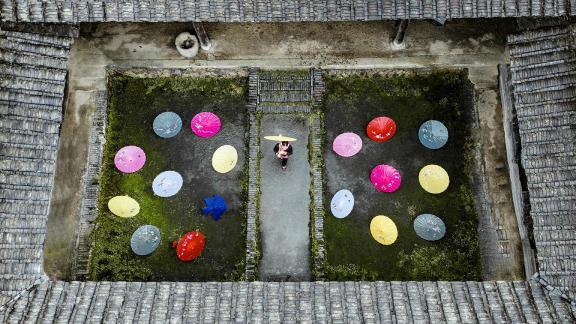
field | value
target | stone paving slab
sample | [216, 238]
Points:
[284, 203]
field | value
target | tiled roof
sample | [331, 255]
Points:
[32, 80]
[543, 70]
[76, 11]
[33, 73]
[256, 302]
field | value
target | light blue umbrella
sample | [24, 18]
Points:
[145, 239]
[429, 227]
[167, 124]
[342, 203]
[433, 134]
[167, 184]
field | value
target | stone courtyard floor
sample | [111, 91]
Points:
[284, 211]
[478, 48]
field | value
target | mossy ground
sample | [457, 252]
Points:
[133, 105]
[410, 99]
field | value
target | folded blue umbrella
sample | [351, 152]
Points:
[215, 205]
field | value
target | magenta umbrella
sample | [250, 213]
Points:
[205, 124]
[129, 159]
[347, 144]
[385, 178]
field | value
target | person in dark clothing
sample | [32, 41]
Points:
[283, 150]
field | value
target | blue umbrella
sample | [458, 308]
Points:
[429, 227]
[433, 134]
[167, 124]
[167, 184]
[215, 205]
[145, 239]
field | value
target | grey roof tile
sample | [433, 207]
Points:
[271, 10]
[543, 66]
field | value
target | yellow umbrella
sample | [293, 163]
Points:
[224, 158]
[280, 138]
[434, 179]
[383, 230]
[123, 206]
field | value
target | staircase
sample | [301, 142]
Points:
[285, 91]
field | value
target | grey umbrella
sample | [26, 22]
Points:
[167, 124]
[429, 227]
[145, 239]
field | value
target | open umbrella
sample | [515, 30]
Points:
[429, 227]
[385, 178]
[129, 159]
[433, 134]
[145, 239]
[383, 230]
[167, 184]
[167, 124]
[342, 203]
[381, 129]
[205, 124]
[347, 144]
[279, 138]
[190, 246]
[434, 179]
[224, 158]
[215, 205]
[123, 206]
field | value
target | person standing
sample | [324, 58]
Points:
[283, 150]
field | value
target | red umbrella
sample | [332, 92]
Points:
[381, 129]
[190, 245]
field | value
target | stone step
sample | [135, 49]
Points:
[284, 85]
[284, 96]
[284, 108]
[283, 75]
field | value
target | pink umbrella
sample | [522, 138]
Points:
[205, 124]
[130, 159]
[385, 178]
[347, 144]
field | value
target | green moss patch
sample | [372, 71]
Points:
[410, 99]
[133, 105]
